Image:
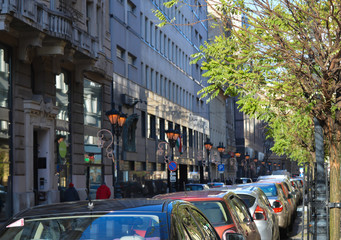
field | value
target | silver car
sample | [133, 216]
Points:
[259, 208]
[277, 200]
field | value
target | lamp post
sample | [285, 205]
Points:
[172, 136]
[117, 120]
[221, 149]
[208, 146]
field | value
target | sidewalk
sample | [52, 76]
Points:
[296, 232]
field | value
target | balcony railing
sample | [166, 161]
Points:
[54, 23]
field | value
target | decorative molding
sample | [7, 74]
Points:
[39, 107]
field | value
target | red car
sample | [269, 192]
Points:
[225, 210]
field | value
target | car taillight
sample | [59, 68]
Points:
[259, 214]
[277, 206]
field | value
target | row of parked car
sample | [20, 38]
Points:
[245, 211]
[271, 201]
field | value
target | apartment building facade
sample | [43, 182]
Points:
[155, 84]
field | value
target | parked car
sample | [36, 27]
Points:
[196, 186]
[243, 180]
[285, 180]
[260, 209]
[215, 184]
[114, 219]
[279, 204]
[287, 196]
[225, 210]
[298, 186]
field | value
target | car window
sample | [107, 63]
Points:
[280, 191]
[248, 199]
[177, 229]
[270, 190]
[263, 198]
[194, 188]
[189, 224]
[96, 226]
[240, 209]
[204, 225]
[216, 212]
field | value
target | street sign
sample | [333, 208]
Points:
[221, 168]
[172, 166]
[172, 177]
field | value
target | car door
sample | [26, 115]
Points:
[245, 219]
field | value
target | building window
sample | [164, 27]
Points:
[62, 127]
[131, 7]
[89, 6]
[162, 129]
[131, 59]
[190, 137]
[184, 136]
[151, 126]
[62, 96]
[146, 29]
[170, 125]
[120, 52]
[92, 103]
[143, 124]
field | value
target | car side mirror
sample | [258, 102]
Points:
[233, 236]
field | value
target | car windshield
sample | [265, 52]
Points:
[269, 190]
[97, 226]
[216, 213]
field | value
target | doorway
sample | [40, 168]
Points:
[183, 176]
[40, 166]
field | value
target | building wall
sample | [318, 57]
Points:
[161, 82]
[47, 38]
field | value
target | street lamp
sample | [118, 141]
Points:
[208, 146]
[221, 149]
[172, 136]
[117, 120]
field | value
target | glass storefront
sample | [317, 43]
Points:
[5, 206]
[92, 124]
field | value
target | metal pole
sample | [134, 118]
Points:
[118, 193]
[303, 203]
[320, 185]
[309, 202]
[209, 165]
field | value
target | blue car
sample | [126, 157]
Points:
[114, 219]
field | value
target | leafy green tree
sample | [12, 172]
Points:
[282, 59]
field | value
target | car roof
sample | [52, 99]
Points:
[107, 205]
[203, 194]
[251, 190]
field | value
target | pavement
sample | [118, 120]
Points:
[297, 231]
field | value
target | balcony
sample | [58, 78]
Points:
[54, 24]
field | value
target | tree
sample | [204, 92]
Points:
[282, 59]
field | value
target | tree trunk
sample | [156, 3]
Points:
[335, 195]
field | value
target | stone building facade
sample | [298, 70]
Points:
[56, 78]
